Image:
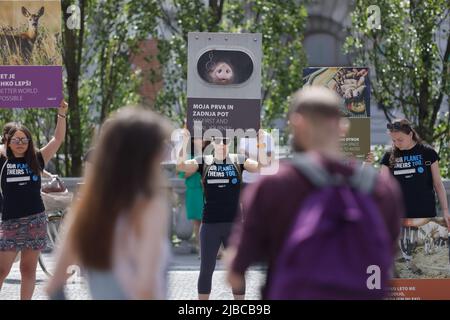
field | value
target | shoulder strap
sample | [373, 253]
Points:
[363, 178]
[314, 173]
[1, 176]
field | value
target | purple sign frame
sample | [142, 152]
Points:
[31, 86]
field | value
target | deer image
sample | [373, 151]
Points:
[22, 44]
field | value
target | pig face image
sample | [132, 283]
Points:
[221, 73]
[225, 67]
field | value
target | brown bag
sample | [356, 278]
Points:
[54, 185]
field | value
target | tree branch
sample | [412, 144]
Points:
[217, 9]
[445, 66]
[167, 20]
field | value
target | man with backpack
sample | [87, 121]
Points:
[222, 178]
[327, 229]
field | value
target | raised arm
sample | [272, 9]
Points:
[60, 132]
[251, 165]
[183, 164]
[264, 156]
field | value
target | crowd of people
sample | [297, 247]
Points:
[320, 214]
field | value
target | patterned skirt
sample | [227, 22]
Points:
[24, 233]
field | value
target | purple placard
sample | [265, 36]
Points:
[30, 86]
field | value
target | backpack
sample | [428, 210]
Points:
[337, 237]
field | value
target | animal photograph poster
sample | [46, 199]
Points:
[422, 265]
[353, 86]
[224, 81]
[30, 54]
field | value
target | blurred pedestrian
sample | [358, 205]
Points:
[117, 232]
[320, 222]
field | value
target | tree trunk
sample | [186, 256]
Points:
[73, 46]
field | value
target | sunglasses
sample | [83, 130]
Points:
[20, 140]
[225, 141]
[397, 126]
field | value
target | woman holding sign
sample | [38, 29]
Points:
[221, 174]
[415, 165]
[24, 224]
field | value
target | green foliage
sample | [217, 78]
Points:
[410, 60]
[111, 34]
[113, 31]
[378, 152]
[282, 25]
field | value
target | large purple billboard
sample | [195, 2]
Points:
[30, 54]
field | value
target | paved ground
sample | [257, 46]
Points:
[182, 282]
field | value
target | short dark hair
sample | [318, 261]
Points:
[316, 101]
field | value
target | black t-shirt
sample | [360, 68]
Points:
[412, 170]
[222, 186]
[21, 188]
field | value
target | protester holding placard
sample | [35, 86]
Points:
[222, 178]
[24, 223]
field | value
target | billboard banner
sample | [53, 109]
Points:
[30, 54]
[353, 86]
[224, 81]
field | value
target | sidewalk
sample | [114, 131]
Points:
[182, 282]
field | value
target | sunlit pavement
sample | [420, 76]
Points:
[182, 282]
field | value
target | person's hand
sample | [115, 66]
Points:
[370, 159]
[63, 107]
[446, 217]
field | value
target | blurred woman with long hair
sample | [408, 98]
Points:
[118, 231]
